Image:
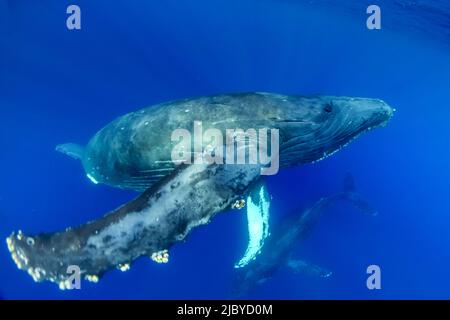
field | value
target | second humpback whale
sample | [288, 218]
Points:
[134, 152]
[279, 247]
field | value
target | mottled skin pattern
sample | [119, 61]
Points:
[154, 221]
[127, 152]
[284, 238]
[134, 151]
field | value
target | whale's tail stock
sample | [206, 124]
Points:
[72, 150]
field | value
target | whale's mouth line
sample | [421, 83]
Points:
[289, 149]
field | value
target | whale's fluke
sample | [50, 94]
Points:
[72, 150]
[351, 194]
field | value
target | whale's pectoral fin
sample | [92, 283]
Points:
[72, 150]
[258, 203]
[300, 266]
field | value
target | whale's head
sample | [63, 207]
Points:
[312, 128]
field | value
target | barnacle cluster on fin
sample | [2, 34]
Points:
[19, 258]
[239, 204]
[66, 284]
[92, 278]
[124, 267]
[160, 256]
[36, 273]
[22, 261]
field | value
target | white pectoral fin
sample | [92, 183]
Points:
[258, 204]
[300, 266]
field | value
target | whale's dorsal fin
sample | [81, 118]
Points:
[300, 266]
[72, 150]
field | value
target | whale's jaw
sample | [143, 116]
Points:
[333, 125]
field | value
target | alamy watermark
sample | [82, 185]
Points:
[74, 279]
[233, 146]
[374, 280]
[374, 20]
[73, 21]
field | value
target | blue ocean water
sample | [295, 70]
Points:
[61, 86]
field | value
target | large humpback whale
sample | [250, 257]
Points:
[286, 236]
[134, 152]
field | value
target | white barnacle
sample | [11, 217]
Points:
[160, 256]
[35, 274]
[65, 284]
[30, 241]
[68, 284]
[10, 244]
[22, 257]
[124, 267]
[92, 278]
[239, 204]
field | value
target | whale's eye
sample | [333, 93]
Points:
[328, 107]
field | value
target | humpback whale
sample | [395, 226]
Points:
[134, 152]
[286, 236]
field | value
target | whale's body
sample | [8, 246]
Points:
[134, 152]
[279, 248]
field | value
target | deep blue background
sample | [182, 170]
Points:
[61, 86]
